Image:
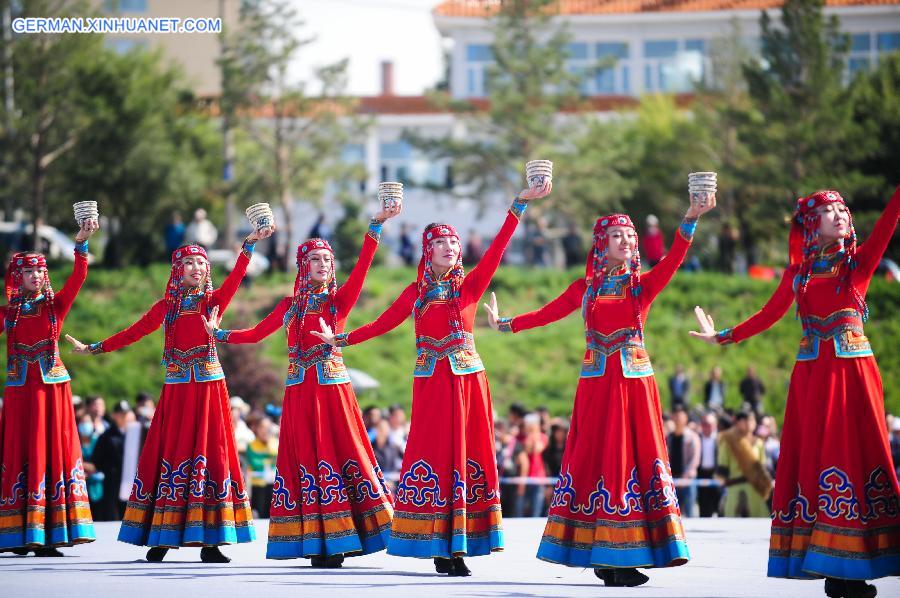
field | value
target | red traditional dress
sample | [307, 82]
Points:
[330, 497]
[614, 503]
[836, 510]
[447, 502]
[188, 490]
[43, 495]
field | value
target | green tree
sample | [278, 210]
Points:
[723, 110]
[296, 131]
[802, 129]
[348, 235]
[876, 108]
[528, 86]
[148, 150]
[47, 114]
[90, 124]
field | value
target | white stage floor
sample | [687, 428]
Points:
[728, 559]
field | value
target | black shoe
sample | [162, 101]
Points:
[849, 588]
[156, 554]
[212, 554]
[442, 565]
[621, 577]
[335, 561]
[20, 551]
[459, 568]
[47, 551]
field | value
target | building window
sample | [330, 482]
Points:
[693, 59]
[479, 53]
[613, 78]
[577, 64]
[660, 49]
[353, 153]
[888, 42]
[860, 57]
[673, 65]
[577, 51]
[397, 150]
[125, 5]
[478, 58]
[395, 159]
[124, 45]
[475, 87]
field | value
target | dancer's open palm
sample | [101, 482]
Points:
[707, 327]
[78, 346]
[536, 192]
[327, 333]
[212, 323]
[492, 312]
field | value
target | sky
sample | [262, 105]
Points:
[367, 32]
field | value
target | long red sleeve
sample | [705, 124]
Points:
[656, 279]
[392, 317]
[64, 299]
[2, 319]
[347, 296]
[223, 295]
[477, 281]
[149, 322]
[770, 313]
[559, 308]
[871, 252]
[266, 326]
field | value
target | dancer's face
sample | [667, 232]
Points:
[33, 279]
[834, 222]
[194, 271]
[321, 265]
[622, 244]
[445, 253]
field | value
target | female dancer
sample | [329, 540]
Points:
[614, 506]
[836, 511]
[330, 498]
[447, 501]
[43, 495]
[188, 490]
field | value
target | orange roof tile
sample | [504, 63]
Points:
[391, 104]
[407, 105]
[486, 8]
[425, 105]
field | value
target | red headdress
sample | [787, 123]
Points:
[456, 275]
[17, 299]
[175, 291]
[803, 244]
[597, 267]
[303, 284]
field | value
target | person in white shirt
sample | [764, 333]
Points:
[708, 497]
[201, 230]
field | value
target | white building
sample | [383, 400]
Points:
[659, 46]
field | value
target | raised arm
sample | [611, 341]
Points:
[264, 328]
[393, 316]
[559, 308]
[148, 323]
[871, 252]
[348, 294]
[656, 279]
[479, 278]
[66, 296]
[222, 296]
[762, 320]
